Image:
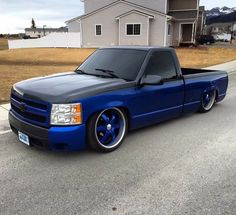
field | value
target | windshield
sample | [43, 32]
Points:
[116, 63]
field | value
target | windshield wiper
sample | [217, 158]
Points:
[109, 72]
[106, 71]
[81, 72]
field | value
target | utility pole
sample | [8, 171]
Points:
[44, 30]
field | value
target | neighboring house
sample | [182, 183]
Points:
[220, 28]
[221, 31]
[138, 22]
[40, 32]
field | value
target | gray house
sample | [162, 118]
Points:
[138, 22]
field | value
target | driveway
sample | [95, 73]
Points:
[184, 166]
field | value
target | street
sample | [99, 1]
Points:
[183, 166]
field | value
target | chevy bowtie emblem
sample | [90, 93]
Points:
[23, 107]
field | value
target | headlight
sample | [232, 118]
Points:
[66, 114]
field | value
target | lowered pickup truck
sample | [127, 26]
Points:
[115, 90]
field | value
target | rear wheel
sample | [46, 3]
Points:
[208, 101]
[107, 130]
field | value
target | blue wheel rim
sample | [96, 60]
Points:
[110, 128]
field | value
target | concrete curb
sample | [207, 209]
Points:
[4, 125]
[230, 67]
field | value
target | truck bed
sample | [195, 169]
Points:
[200, 72]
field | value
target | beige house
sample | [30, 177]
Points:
[138, 22]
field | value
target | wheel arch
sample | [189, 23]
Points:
[119, 105]
[210, 88]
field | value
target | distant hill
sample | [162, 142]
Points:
[219, 15]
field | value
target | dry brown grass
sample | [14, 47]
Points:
[47, 56]
[3, 44]
[204, 57]
[10, 74]
[20, 64]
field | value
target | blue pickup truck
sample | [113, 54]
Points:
[115, 90]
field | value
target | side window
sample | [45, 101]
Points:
[162, 64]
[98, 30]
[133, 29]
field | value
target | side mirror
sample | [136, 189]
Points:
[151, 80]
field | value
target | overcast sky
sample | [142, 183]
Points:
[15, 15]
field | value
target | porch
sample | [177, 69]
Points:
[187, 33]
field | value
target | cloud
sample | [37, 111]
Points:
[217, 3]
[17, 14]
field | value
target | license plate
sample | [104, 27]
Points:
[23, 138]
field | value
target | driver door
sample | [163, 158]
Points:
[161, 101]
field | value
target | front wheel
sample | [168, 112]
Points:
[107, 130]
[208, 101]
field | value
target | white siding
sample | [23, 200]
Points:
[74, 26]
[159, 5]
[158, 31]
[143, 38]
[110, 27]
[91, 5]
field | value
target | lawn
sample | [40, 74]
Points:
[3, 44]
[20, 64]
[204, 57]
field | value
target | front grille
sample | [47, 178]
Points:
[34, 112]
[27, 115]
[31, 103]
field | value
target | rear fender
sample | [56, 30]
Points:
[210, 89]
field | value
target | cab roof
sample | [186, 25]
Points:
[143, 48]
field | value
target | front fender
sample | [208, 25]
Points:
[101, 102]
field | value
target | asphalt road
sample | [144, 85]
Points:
[184, 166]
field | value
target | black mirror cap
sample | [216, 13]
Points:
[152, 80]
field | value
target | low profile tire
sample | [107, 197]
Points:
[107, 130]
[208, 101]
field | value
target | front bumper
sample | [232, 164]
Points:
[63, 138]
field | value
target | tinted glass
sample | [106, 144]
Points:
[130, 29]
[137, 29]
[125, 63]
[162, 64]
[133, 29]
[98, 30]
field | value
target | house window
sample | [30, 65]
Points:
[98, 30]
[133, 29]
[169, 29]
